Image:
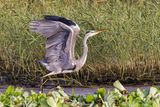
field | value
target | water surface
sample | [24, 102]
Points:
[81, 91]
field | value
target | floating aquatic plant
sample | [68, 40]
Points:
[18, 97]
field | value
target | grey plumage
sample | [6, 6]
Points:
[57, 53]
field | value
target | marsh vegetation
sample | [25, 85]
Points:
[130, 50]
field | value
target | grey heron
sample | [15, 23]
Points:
[61, 34]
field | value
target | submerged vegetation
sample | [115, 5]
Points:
[58, 98]
[130, 50]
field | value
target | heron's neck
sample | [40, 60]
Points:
[81, 61]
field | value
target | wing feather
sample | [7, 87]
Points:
[58, 46]
[45, 28]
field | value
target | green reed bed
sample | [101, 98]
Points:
[129, 50]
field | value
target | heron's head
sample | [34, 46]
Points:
[94, 32]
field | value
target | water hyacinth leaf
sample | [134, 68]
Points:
[32, 104]
[59, 104]
[140, 93]
[10, 89]
[145, 92]
[19, 90]
[92, 104]
[119, 86]
[73, 92]
[136, 104]
[80, 98]
[110, 100]
[33, 92]
[43, 103]
[136, 98]
[130, 99]
[96, 105]
[101, 91]
[51, 102]
[1, 104]
[63, 94]
[65, 105]
[152, 91]
[95, 96]
[56, 95]
[157, 101]
[157, 95]
[89, 98]
[25, 94]
[117, 92]
[155, 104]
[105, 104]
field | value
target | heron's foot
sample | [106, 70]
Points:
[43, 82]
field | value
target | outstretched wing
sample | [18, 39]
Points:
[58, 46]
[75, 28]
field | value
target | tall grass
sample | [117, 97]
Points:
[130, 50]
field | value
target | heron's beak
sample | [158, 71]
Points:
[99, 31]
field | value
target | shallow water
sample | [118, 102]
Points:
[82, 91]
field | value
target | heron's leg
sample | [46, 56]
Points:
[41, 86]
[42, 78]
[67, 71]
[42, 83]
[52, 73]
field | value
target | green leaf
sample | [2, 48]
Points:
[43, 103]
[51, 102]
[25, 94]
[1, 104]
[10, 89]
[89, 98]
[33, 92]
[101, 91]
[155, 104]
[65, 105]
[80, 98]
[118, 93]
[57, 98]
[19, 90]
[73, 92]
[140, 93]
[118, 85]
[59, 104]
[56, 95]
[153, 91]
[32, 104]
[95, 96]
[63, 94]
[92, 104]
